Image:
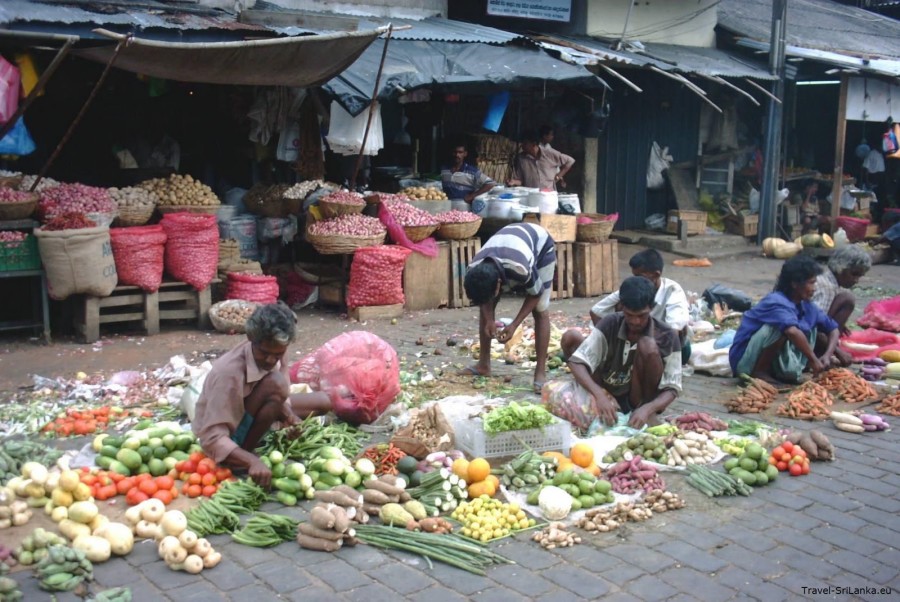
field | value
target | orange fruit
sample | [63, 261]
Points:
[492, 478]
[593, 469]
[553, 454]
[478, 470]
[481, 488]
[461, 468]
[582, 454]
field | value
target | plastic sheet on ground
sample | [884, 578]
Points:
[514, 497]
[604, 444]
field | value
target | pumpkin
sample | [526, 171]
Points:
[770, 244]
[787, 250]
[810, 240]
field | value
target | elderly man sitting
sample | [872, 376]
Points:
[845, 267]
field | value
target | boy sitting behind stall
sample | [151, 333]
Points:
[671, 306]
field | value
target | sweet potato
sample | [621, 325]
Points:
[321, 545]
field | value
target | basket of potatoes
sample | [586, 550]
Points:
[182, 193]
[230, 316]
[424, 193]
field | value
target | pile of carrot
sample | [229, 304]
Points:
[890, 405]
[385, 457]
[809, 401]
[754, 398]
[850, 387]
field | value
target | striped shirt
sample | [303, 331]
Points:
[522, 252]
[466, 180]
[827, 288]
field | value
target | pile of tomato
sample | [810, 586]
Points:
[790, 458]
[75, 422]
[200, 476]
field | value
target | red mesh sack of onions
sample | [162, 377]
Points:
[139, 254]
[456, 217]
[344, 197]
[192, 248]
[75, 198]
[376, 276]
[251, 287]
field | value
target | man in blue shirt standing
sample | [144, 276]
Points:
[776, 340]
[463, 181]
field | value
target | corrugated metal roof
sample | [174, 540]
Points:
[818, 25]
[668, 57]
[446, 30]
[21, 12]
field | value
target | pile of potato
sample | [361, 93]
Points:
[133, 196]
[233, 311]
[424, 193]
[180, 190]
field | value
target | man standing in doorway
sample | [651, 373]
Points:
[540, 167]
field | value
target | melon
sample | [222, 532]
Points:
[810, 240]
[827, 241]
[770, 244]
[787, 250]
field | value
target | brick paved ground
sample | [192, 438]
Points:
[837, 527]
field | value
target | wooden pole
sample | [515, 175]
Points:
[87, 103]
[374, 102]
[837, 186]
[38, 87]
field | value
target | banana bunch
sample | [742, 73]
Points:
[527, 471]
[116, 594]
[732, 446]
[63, 569]
[9, 589]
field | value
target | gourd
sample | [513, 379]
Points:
[770, 244]
[555, 503]
[96, 549]
[119, 536]
[810, 240]
[394, 514]
[827, 241]
[787, 250]
[890, 356]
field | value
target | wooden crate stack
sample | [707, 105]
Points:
[495, 155]
[695, 220]
[596, 268]
[425, 279]
[564, 278]
[461, 254]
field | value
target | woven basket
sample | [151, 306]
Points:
[459, 231]
[209, 209]
[335, 209]
[11, 181]
[336, 245]
[229, 326]
[419, 233]
[597, 231]
[20, 210]
[134, 215]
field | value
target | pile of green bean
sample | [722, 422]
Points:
[211, 516]
[301, 442]
[241, 497]
[264, 530]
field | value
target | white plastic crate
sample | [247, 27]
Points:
[471, 439]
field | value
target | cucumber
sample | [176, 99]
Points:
[287, 485]
[278, 470]
[159, 433]
[286, 498]
[113, 441]
[179, 456]
[352, 479]
[184, 442]
[146, 453]
[330, 452]
[119, 468]
[109, 451]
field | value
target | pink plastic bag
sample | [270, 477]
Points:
[884, 315]
[869, 343]
[359, 371]
[427, 247]
[854, 227]
[10, 88]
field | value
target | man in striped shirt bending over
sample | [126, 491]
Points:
[519, 258]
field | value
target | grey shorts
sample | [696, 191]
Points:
[546, 273]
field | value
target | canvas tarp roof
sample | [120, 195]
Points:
[297, 61]
[451, 66]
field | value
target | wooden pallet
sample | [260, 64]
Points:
[596, 268]
[376, 312]
[173, 301]
[564, 278]
[461, 254]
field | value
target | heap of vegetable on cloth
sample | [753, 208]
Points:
[149, 479]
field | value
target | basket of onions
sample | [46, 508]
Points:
[15, 204]
[595, 227]
[230, 316]
[77, 198]
[457, 225]
[345, 233]
[341, 202]
[417, 223]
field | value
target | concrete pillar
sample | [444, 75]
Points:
[591, 157]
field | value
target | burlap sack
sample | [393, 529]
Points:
[78, 261]
[428, 431]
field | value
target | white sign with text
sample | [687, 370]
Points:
[545, 10]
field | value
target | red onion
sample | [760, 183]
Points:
[10, 195]
[456, 217]
[406, 215]
[11, 236]
[349, 225]
[75, 198]
[344, 197]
